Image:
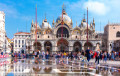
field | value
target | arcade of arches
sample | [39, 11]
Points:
[63, 45]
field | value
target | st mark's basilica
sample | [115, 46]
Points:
[73, 39]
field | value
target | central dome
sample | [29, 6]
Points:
[65, 18]
[84, 24]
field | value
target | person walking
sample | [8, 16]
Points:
[105, 57]
[119, 55]
[47, 55]
[88, 54]
[97, 56]
[112, 55]
[71, 55]
[19, 55]
[78, 55]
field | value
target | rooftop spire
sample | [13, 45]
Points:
[93, 21]
[32, 21]
[84, 15]
[84, 20]
[45, 15]
[45, 18]
[76, 23]
[63, 9]
[53, 21]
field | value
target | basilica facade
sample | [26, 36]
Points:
[61, 36]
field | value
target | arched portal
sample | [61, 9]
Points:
[86, 45]
[48, 46]
[62, 31]
[62, 45]
[37, 46]
[77, 46]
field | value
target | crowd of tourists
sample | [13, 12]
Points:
[3, 55]
[97, 55]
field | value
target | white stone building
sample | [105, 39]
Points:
[20, 41]
[111, 37]
[2, 31]
[8, 45]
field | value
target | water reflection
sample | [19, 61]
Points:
[29, 67]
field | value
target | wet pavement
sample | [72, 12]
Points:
[55, 67]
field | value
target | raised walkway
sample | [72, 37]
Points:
[109, 62]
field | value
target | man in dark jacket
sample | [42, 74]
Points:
[47, 55]
[88, 54]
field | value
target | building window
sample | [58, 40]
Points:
[15, 41]
[19, 45]
[48, 36]
[118, 34]
[38, 36]
[22, 45]
[3, 17]
[15, 45]
[19, 41]
[22, 41]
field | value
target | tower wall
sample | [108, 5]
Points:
[2, 30]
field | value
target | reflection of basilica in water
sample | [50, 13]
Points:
[61, 36]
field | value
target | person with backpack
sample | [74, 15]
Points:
[97, 57]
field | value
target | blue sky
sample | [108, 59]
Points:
[20, 13]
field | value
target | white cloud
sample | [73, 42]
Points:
[96, 7]
[8, 9]
[76, 5]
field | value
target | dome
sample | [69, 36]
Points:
[84, 25]
[65, 18]
[45, 24]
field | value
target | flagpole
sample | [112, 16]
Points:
[87, 26]
[36, 28]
